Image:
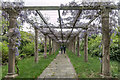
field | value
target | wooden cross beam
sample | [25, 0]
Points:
[41, 16]
[68, 27]
[69, 7]
[75, 20]
[60, 23]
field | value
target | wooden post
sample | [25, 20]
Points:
[45, 47]
[78, 46]
[85, 47]
[12, 44]
[106, 43]
[36, 45]
[50, 46]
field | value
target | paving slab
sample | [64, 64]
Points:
[60, 67]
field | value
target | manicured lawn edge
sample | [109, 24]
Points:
[92, 68]
[30, 69]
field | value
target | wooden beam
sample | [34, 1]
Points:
[68, 7]
[64, 27]
[75, 20]
[41, 16]
[60, 24]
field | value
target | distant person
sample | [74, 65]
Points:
[61, 49]
[64, 49]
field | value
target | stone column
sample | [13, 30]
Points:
[12, 44]
[36, 45]
[106, 43]
[85, 47]
[78, 46]
[45, 47]
[50, 46]
[74, 46]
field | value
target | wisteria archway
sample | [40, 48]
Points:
[100, 20]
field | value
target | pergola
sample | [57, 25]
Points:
[68, 38]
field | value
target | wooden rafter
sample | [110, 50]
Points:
[41, 16]
[60, 24]
[68, 7]
[75, 20]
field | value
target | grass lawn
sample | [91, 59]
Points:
[92, 68]
[30, 69]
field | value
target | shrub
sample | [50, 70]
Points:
[27, 50]
[4, 52]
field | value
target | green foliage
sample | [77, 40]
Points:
[4, 51]
[27, 50]
[114, 48]
[93, 45]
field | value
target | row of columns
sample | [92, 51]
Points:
[105, 44]
[105, 37]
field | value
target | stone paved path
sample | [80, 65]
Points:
[60, 67]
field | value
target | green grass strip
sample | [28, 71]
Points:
[30, 69]
[92, 68]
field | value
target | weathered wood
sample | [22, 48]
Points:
[85, 47]
[45, 47]
[106, 43]
[50, 50]
[44, 20]
[78, 46]
[68, 7]
[36, 45]
[60, 24]
[74, 23]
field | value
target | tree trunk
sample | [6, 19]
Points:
[86, 47]
[106, 43]
[36, 45]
